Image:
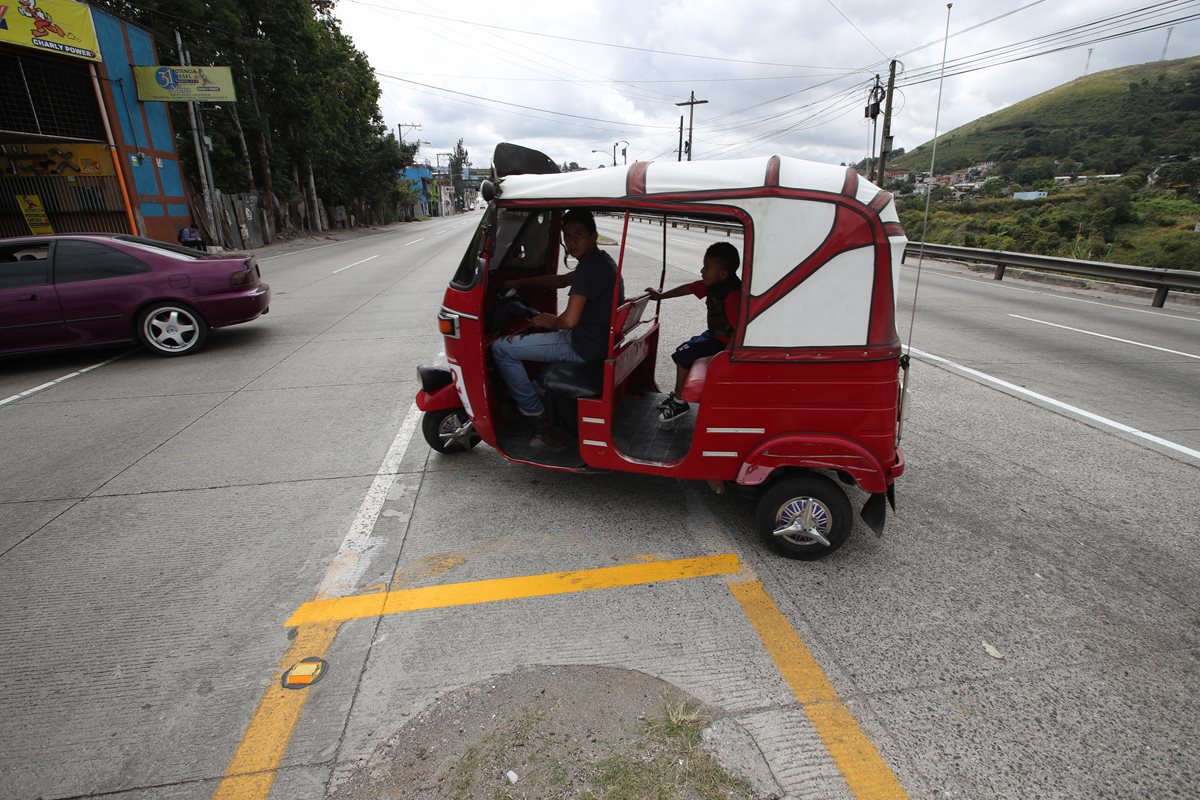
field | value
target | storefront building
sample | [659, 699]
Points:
[78, 151]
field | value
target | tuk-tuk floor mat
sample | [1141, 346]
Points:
[639, 433]
[514, 441]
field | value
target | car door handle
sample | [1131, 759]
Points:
[26, 298]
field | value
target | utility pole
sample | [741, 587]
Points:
[1163, 55]
[1088, 64]
[691, 103]
[885, 143]
[872, 113]
[679, 152]
[200, 161]
[402, 125]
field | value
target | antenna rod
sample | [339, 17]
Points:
[937, 118]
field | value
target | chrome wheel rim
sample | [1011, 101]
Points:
[804, 521]
[172, 329]
[456, 431]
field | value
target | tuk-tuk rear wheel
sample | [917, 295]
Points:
[449, 430]
[798, 514]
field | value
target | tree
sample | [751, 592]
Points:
[458, 166]
[992, 187]
[307, 112]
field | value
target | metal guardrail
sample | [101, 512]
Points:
[688, 224]
[1161, 280]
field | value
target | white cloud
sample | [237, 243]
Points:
[612, 97]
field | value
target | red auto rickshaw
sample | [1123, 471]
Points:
[806, 394]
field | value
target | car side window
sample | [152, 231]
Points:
[89, 261]
[24, 265]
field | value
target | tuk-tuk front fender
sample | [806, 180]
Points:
[438, 400]
[814, 451]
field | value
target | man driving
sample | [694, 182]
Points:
[580, 333]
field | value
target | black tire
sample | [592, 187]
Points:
[437, 426]
[171, 329]
[788, 499]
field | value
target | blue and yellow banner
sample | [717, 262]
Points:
[184, 84]
[59, 26]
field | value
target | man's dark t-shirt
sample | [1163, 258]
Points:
[594, 280]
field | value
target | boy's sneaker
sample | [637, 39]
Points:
[666, 401]
[674, 410]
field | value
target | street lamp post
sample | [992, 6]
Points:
[605, 153]
[624, 152]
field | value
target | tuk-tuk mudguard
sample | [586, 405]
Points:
[439, 400]
[816, 451]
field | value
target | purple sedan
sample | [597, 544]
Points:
[69, 290]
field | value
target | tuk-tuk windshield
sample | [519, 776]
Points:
[522, 239]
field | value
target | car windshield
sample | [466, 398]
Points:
[162, 248]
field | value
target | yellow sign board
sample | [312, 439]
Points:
[35, 215]
[49, 160]
[184, 84]
[59, 26]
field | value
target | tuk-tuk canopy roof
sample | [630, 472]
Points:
[826, 243]
[688, 177]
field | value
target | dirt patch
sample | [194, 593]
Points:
[556, 732]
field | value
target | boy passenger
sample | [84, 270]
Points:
[721, 289]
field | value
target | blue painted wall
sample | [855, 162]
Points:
[135, 118]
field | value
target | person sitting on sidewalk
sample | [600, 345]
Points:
[721, 289]
[190, 237]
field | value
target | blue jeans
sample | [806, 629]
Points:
[547, 348]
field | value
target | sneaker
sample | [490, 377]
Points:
[666, 401]
[675, 410]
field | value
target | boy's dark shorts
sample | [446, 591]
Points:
[697, 347]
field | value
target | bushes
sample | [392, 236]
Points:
[1109, 222]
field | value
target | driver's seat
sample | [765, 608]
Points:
[564, 383]
[573, 379]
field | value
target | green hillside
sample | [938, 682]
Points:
[1105, 123]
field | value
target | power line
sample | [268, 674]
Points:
[598, 44]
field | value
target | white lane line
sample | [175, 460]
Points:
[439, 233]
[1104, 336]
[414, 241]
[321, 246]
[1001, 285]
[1070, 409]
[355, 264]
[357, 549]
[57, 381]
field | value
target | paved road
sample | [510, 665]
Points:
[1025, 627]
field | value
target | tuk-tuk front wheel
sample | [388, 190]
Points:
[449, 430]
[804, 516]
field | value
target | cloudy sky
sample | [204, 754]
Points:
[569, 77]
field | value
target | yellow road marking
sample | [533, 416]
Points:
[336, 609]
[251, 771]
[861, 765]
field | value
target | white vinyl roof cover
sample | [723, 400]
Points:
[826, 303]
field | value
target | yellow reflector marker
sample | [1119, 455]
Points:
[306, 673]
[336, 609]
